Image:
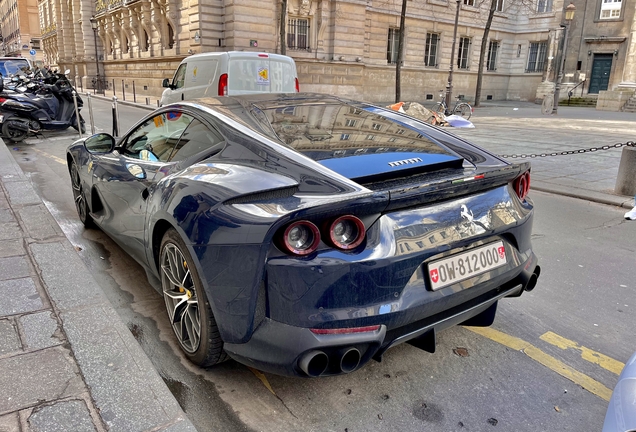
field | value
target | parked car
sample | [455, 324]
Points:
[230, 73]
[305, 234]
[621, 411]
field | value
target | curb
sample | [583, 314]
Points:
[127, 391]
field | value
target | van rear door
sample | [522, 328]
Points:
[250, 73]
[201, 78]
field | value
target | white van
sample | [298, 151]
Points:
[230, 73]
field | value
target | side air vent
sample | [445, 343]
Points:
[263, 196]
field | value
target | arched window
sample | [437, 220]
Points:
[170, 37]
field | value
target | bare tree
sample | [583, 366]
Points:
[482, 51]
[400, 54]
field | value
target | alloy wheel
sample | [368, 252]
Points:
[78, 196]
[181, 298]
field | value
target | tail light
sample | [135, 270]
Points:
[522, 185]
[301, 238]
[2, 100]
[223, 85]
[297, 85]
[371, 328]
[346, 232]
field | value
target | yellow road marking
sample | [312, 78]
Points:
[50, 156]
[602, 360]
[263, 379]
[550, 362]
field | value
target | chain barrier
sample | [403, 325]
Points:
[571, 152]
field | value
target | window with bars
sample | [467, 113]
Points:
[536, 57]
[469, 2]
[544, 6]
[392, 46]
[298, 33]
[611, 9]
[463, 53]
[491, 62]
[432, 47]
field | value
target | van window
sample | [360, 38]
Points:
[179, 76]
[261, 75]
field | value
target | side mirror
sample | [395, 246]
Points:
[100, 143]
[137, 171]
[166, 82]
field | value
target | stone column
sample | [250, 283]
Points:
[629, 70]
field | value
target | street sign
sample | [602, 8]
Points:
[32, 52]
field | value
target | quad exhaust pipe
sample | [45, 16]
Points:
[315, 363]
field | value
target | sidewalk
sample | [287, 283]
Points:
[67, 362]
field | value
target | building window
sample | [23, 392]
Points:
[544, 6]
[344, 137]
[611, 9]
[491, 63]
[430, 52]
[500, 5]
[469, 2]
[463, 53]
[370, 137]
[377, 126]
[298, 33]
[536, 57]
[350, 123]
[353, 110]
[392, 47]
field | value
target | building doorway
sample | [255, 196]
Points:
[601, 68]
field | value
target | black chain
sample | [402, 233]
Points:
[571, 152]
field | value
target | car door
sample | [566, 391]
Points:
[124, 179]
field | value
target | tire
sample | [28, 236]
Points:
[464, 110]
[79, 197]
[10, 132]
[187, 304]
[438, 108]
[82, 124]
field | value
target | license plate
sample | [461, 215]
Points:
[465, 265]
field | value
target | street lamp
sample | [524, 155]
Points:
[569, 15]
[449, 86]
[98, 84]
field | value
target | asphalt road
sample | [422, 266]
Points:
[548, 363]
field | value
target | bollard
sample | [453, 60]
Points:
[123, 91]
[626, 178]
[77, 114]
[147, 101]
[114, 88]
[90, 112]
[115, 117]
[134, 93]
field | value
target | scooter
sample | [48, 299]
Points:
[49, 107]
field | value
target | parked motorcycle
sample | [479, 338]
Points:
[32, 105]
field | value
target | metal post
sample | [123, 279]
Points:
[90, 112]
[449, 87]
[114, 88]
[134, 93]
[115, 117]
[557, 88]
[123, 91]
[98, 84]
[77, 114]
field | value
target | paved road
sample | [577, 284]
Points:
[576, 323]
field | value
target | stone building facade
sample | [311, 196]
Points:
[20, 28]
[344, 47]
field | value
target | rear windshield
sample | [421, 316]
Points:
[338, 130]
[256, 75]
[10, 67]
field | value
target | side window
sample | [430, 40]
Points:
[179, 76]
[155, 139]
[196, 138]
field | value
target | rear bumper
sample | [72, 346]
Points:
[289, 350]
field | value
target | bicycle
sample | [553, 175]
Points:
[461, 108]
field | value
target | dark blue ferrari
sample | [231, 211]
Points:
[304, 234]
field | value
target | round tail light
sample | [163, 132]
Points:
[301, 238]
[522, 185]
[346, 232]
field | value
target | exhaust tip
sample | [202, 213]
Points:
[350, 360]
[314, 363]
[532, 282]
